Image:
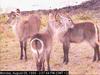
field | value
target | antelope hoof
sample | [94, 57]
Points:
[43, 69]
[21, 58]
[94, 60]
[66, 62]
[98, 59]
[25, 58]
[49, 69]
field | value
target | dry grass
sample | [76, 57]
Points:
[81, 55]
[3, 18]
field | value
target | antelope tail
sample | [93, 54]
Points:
[36, 50]
[97, 35]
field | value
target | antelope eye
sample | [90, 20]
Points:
[69, 20]
[13, 16]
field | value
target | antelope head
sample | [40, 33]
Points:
[13, 17]
[65, 22]
[59, 23]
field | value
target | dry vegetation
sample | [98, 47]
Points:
[80, 54]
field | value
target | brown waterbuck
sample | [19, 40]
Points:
[81, 31]
[24, 29]
[43, 42]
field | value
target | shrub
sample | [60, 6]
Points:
[3, 18]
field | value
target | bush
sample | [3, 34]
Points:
[82, 16]
[3, 18]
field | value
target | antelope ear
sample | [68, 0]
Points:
[18, 11]
[12, 14]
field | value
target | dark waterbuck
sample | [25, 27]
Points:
[81, 31]
[24, 29]
[43, 42]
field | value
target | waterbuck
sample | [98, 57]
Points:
[81, 31]
[24, 29]
[43, 42]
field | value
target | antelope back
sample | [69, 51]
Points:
[24, 28]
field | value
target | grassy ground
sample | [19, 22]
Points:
[80, 55]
